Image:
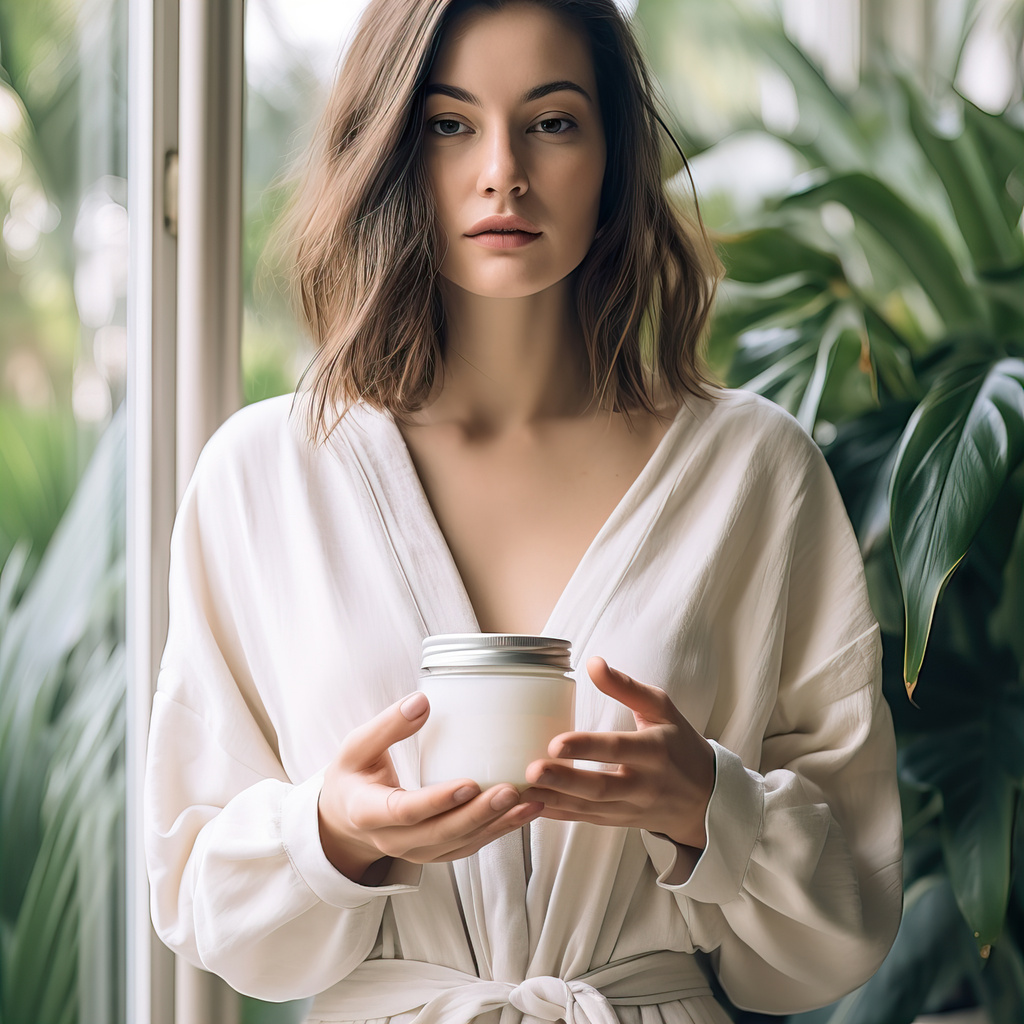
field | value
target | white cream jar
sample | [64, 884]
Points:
[496, 701]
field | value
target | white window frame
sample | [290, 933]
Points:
[185, 127]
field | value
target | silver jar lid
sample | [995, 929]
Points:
[504, 650]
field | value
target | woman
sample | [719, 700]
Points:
[518, 439]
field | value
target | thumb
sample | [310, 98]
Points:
[365, 745]
[649, 704]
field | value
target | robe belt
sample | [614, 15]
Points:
[383, 988]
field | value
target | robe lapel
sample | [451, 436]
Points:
[490, 884]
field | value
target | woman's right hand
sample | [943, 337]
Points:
[366, 818]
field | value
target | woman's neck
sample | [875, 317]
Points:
[509, 362]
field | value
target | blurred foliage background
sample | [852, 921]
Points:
[62, 497]
[861, 164]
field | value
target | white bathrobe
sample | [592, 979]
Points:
[302, 582]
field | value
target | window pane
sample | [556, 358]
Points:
[291, 50]
[62, 508]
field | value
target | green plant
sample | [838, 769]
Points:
[882, 303]
[62, 684]
[39, 469]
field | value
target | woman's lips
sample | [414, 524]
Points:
[504, 239]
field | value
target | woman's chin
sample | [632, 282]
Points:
[518, 286]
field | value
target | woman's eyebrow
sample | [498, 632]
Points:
[536, 93]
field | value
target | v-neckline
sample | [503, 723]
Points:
[390, 474]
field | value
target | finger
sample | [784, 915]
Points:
[591, 818]
[376, 806]
[617, 812]
[365, 745]
[588, 785]
[651, 703]
[515, 819]
[645, 747]
[451, 827]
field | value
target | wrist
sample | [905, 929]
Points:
[687, 841]
[689, 823]
[358, 862]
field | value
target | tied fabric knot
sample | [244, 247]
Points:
[552, 999]
[443, 995]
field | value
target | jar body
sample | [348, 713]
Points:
[488, 724]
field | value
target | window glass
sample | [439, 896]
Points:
[291, 52]
[62, 508]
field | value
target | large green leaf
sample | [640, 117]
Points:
[1002, 141]
[769, 253]
[735, 313]
[913, 238]
[977, 768]
[892, 357]
[845, 322]
[963, 167]
[1002, 983]
[861, 459]
[1007, 623]
[777, 362]
[1007, 287]
[808, 365]
[956, 453]
[740, 308]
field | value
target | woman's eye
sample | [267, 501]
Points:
[446, 126]
[545, 128]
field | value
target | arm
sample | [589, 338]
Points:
[786, 871]
[240, 884]
[799, 889]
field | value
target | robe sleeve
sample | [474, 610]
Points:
[239, 882]
[798, 893]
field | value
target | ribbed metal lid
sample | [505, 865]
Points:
[472, 650]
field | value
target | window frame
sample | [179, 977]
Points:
[184, 380]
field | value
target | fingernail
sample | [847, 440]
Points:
[464, 794]
[504, 800]
[414, 706]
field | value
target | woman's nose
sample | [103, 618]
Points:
[502, 169]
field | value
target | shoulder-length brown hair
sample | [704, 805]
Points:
[364, 244]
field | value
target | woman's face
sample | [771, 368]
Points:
[513, 128]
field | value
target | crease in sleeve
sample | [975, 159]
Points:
[733, 823]
[300, 836]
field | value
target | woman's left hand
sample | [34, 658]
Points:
[665, 774]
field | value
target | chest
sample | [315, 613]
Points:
[519, 513]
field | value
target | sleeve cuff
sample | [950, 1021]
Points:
[732, 822]
[300, 834]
